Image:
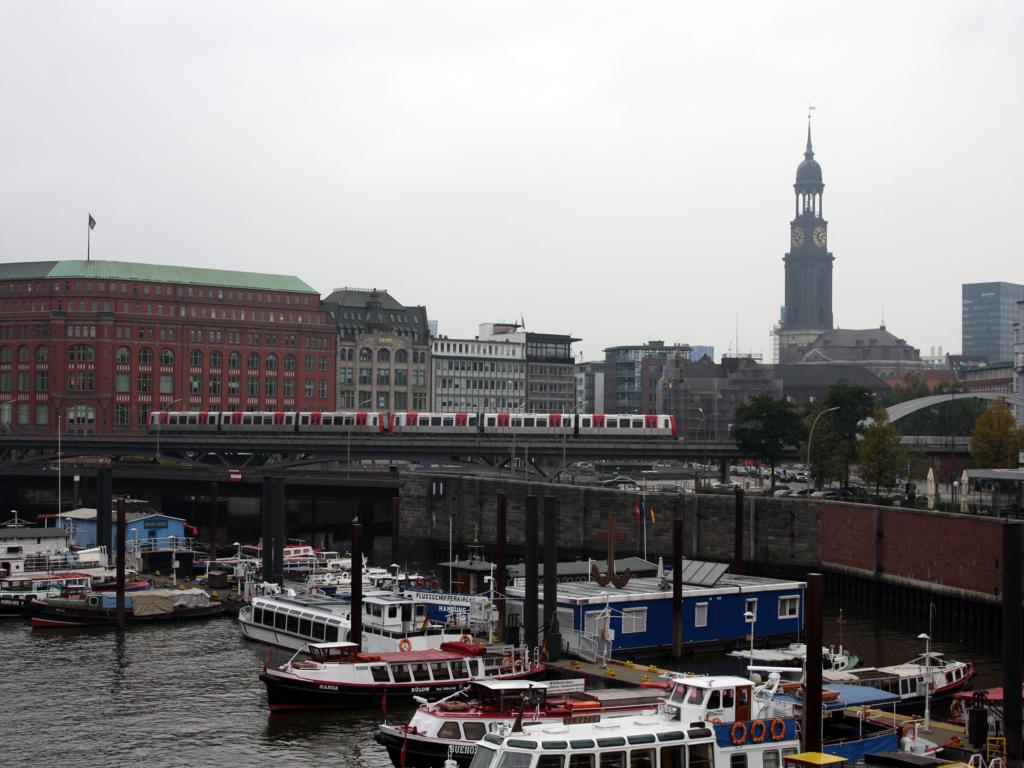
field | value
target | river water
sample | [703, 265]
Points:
[189, 694]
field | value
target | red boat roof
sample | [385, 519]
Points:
[419, 657]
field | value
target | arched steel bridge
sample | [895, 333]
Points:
[898, 411]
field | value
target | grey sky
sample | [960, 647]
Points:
[620, 171]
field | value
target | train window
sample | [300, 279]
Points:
[472, 421]
[303, 420]
[491, 421]
[586, 423]
[528, 422]
[435, 421]
[638, 424]
[611, 423]
[327, 421]
[516, 423]
[447, 421]
[543, 423]
[193, 420]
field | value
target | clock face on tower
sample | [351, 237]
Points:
[798, 236]
[819, 237]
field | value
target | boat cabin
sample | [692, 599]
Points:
[333, 653]
[811, 760]
[393, 615]
[508, 695]
[724, 699]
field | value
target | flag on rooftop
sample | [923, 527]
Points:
[92, 222]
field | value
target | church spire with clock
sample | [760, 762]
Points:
[808, 307]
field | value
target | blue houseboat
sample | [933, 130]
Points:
[719, 610]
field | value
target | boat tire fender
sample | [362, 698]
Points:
[405, 645]
[777, 729]
[758, 731]
[738, 732]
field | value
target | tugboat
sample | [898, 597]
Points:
[909, 681]
[338, 675]
[449, 729]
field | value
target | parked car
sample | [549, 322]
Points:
[829, 493]
[620, 482]
[780, 492]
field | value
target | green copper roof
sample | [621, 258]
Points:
[160, 273]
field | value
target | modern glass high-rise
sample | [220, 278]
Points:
[989, 311]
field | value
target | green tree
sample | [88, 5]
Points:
[880, 452]
[835, 437]
[996, 439]
[765, 426]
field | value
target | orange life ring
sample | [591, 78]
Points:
[738, 732]
[405, 645]
[758, 731]
[778, 729]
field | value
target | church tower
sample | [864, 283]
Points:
[808, 308]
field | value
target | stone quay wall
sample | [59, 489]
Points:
[957, 556]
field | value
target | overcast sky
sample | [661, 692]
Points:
[618, 171]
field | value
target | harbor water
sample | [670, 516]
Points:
[189, 694]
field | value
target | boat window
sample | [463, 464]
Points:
[700, 756]
[554, 745]
[582, 744]
[581, 761]
[473, 731]
[293, 623]
[641, 758]
[440, 671]
[379, 672]
[268, 618]
[714, 700]
[672, 757]
[257, 615]
[459, 670]
[392, 611]
[305, 627]
[449, 730]
[483, 758]
[420, 672]
[401, 673]
[641, 738]
[515, 760]
[787, 751]
[727, 697]
[612, 741]
[551, 761]
[612, 759]
[770, 758]
[331, 636]
[318, 630]
[280, 620]
[738, 761]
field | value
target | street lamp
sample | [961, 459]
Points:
[348, 438]
[927, 680]
[162, 407]
[811, 435]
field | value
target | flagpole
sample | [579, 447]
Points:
[88, 241]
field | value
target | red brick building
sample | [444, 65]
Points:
[94, 346]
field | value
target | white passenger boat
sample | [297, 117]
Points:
[655, 741]
[391, 622]
[449, 729]
[932, 672]
[794, 654]
[338, 675]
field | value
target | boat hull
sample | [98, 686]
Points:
[423, 752]
[60, 616]
[285, 691]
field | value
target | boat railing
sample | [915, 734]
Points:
[172, 543]
[589, 647]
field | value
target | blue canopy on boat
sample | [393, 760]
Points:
[849, 696]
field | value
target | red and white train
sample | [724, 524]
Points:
[412, 423]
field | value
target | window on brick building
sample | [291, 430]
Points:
[42, 414]
[195, 384]
[121, 415]
[253, 361]
[270, 387]
[271, 362]
[310, 363]
[166, 384]
[214, 384]
[81, 353]
[145, 356]
[253, 386]
[42, 381]
[145, 382]
[233, 385]
[23, 354]
[289, 387]
[142, 415]
[401, 356]
[42, 354]
[234, 360]
[195, 358]
[166, 357]
[216, 358]
[289, 362]
[309, 387]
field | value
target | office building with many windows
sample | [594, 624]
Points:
[989, 313]
[94, 346]
[550, 367]
[478, 375]
[383, 351]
